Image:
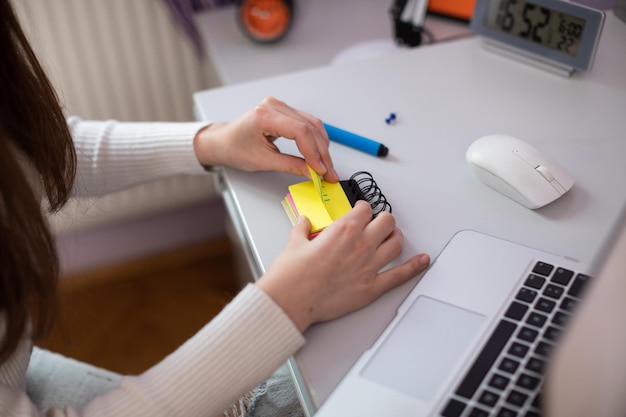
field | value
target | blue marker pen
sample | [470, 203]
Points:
[355, 141]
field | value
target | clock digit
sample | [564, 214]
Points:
[508, 20]
[546, 18]
[575, 30]
[565, 43]
[527, 8]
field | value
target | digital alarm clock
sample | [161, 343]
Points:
[554, 32]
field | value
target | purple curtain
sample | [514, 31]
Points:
[183, 10]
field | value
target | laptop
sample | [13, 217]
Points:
[495, 328]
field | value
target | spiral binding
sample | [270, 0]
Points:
[365, 188]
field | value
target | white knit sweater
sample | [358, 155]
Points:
[232, 354]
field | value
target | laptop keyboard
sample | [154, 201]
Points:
[506, 378]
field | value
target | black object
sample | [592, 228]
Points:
[405, 33]
[361, 186]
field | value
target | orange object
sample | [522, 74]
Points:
[460, 9]
[265, 20]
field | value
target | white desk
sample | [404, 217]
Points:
[321, 30]
[445, 97]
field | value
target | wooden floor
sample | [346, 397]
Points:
[127, 317]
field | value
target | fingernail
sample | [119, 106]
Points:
[424, 259]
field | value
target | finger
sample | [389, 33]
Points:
[310, 136]
[361, 213]
[379, 229]
[323, 146]
[344, 227]
[305, 136]
[319, 148]
[397, 275]
[389, 249]
[301, 230]
[289, 111]
[310, 142]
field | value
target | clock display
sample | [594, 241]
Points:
[535, 23]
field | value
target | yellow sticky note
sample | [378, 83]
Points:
[335, 200]
[317, 181]
[321, 201]
[308, 203]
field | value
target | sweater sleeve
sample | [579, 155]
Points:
[115, 155]
[232, 354]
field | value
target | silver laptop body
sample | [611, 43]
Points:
[481, 295]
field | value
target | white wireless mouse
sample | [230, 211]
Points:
[518, 170]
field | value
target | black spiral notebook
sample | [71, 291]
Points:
[324, 202]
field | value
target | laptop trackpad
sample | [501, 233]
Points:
[423, 348]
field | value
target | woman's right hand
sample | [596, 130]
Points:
[338, 271]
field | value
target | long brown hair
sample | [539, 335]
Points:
[31, 121]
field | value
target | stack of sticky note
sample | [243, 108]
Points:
[320, 201]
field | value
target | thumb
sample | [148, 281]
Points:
[301, 229]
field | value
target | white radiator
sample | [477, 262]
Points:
[123, 59]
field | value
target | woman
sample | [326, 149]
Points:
[42, 154]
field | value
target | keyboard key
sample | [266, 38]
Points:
[508, 365]
[543, 349]
[526, 294]
[454, 408]
[486, 359]
[516, 311]
[553, 291]
[578, 285]
[534, 281]
[527, 334]
[560, 318]
[516, 398]
[506, 412]
[535, 365]
[527, 381]
[536, 319]
[488, 398]
[562, 276]
[478, 412]
[551, 333]
[543, 268]
[545, 305]
[518, 349]
[568, 304]
[499, 382]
